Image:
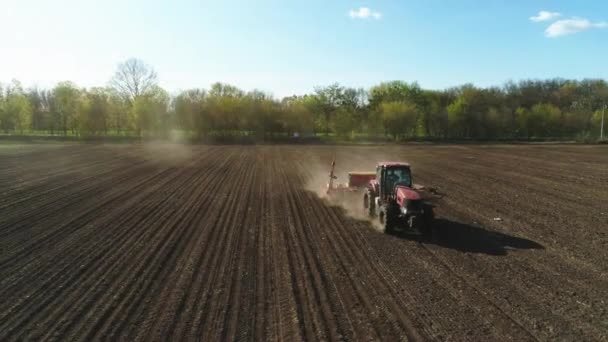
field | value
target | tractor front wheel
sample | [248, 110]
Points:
[389, 218]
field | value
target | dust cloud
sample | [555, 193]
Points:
[351, 201]
[171, 153]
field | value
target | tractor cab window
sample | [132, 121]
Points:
[398, 176]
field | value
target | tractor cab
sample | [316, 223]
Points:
[391, 174]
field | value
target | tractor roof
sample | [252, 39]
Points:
[393, 163]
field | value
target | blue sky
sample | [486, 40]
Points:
[288, 47]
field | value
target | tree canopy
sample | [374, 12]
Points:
[133, 103]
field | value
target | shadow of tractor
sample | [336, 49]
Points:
[448, 234]
[474, 239]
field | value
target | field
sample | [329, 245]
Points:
[147, 242]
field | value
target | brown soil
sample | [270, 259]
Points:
[154, 242]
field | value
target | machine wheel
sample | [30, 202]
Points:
[389, 218]
[369, 206]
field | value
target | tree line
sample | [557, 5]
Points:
[134, 104]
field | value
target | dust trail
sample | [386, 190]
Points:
[318, 178]
[172, 153]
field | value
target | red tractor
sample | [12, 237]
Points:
[390, 195]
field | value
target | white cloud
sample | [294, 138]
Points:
[571, 26]
[364, 13]
[545, 16]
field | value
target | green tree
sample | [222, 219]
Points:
[118, 115]
[542, 120]
[36, 99]
[150, 113]
[329, 99]
[399, 118]
[596, 122]
[190, 112]
[458, 120]
[345, 122]
[224, 105]
[97, 111]
[16, 113]
[219, 89]
[297, 116]
[396, 91]
[435, 117]
[66, 105]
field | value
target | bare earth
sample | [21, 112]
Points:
[213, 243]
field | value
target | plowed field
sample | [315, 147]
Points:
[157, 242]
